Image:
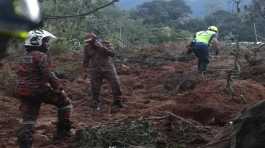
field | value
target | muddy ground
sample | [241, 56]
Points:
[172, 89]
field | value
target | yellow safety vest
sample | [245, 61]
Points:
[204, 36]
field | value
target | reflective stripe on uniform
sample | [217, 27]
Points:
[29, 122]
[68, 107]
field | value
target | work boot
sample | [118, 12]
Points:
[203, 75]
[64, 124]
[116, 106]
[96, 105]
[25, 144]
[24, 136]
[63, 131]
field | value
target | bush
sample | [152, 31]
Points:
[119, 135]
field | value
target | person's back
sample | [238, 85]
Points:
[31, 72]
[205, 37]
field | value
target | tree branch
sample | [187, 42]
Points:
[82, 14]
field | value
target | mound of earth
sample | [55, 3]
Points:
[256, 73]
[210, 104]
[246, 130]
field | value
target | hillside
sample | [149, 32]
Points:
[184, 107]
[199, 9]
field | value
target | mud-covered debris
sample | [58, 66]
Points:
[181, 82]
[184, 57]
[247, 130]
[256, 73]
[183, 131]
[119, 135]
[248, 127]
[167, 130]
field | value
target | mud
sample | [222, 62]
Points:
[171, 96]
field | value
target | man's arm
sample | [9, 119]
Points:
[216, 45]
[105, 48]
[89, 51]
[189, 48]
[190, 45]
[47, 74]
[214, 42]
[86, 57]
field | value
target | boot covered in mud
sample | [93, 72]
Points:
[116, 105]
[25, 145]
[96, 104]
[64, 124]
[24, 136]
[63, 131]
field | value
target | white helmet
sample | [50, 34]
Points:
[35, 37]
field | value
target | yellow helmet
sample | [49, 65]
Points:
[213, 28]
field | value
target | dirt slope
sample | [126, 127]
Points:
[174, 88]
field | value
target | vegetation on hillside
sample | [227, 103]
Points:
[152, 22]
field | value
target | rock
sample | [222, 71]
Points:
[124, 69]
[40, 139]
[181, 82]
[12, 141]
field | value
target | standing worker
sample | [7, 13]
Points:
[200, 46]
[36, 84]
[98, 59]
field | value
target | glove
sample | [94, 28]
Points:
[189, 49]
[217, 52]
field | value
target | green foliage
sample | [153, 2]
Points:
[121, 135]
[71, 31]
[152, 22]
[193, 25]
[167, 34]
[257, 8]
[226, 21]
[231, 24]
[163, 12]
[123, 28]
[60, 46]
[216, 5]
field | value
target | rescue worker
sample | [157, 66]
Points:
[200, 46]
[16, 19]
[36, 84]
[98, 56]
